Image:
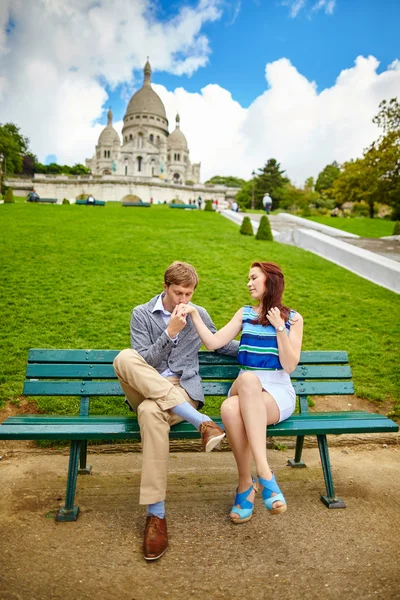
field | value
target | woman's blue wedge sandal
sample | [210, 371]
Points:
[270, 487]
[245, 512]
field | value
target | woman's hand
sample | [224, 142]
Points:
[187, 309]
[274, 317]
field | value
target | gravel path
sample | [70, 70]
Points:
[308, 552]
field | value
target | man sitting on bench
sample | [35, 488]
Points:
[159, 376]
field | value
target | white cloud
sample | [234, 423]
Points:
[296, 6]
[57, 56]
[291, 121]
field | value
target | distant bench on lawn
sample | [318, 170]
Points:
[47, 201]
[139, 204]
[95, 203]
[183, 205]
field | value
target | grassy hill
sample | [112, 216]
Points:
[71, 275]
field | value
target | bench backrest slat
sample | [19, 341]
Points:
[106, 371]
[107, 356]
[211, 388]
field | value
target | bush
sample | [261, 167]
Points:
[246, 227]
[209, 206]
[360, 209]
[306, 212]
[396, 229]
[9, 197]
[264, 230]
[66, 201]
[134, 198]
[189, 182]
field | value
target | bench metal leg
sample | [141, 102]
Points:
[69, 512]
[84, 469]
[330, 500]
[296, 462]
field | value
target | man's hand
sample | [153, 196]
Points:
[177, 321]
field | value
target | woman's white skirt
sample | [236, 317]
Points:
[279, 385]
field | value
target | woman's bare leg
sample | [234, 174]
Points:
[258, 409]
[237, 438]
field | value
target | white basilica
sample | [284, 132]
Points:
[148, 150]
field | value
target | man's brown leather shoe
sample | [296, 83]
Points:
[155, 541]
[211, 435]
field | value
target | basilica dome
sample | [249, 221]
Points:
[108, 136]
[146, 100]
[177, 140]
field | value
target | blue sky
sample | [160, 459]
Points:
[296, 80]
[252, 33]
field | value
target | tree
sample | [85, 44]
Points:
[271, 179]
[309, 184]
[55, 169]
[376, 176]
[327, 177]
[243, 198]
[357, 182]
[388, 118]
[229, 181]
[13, 145]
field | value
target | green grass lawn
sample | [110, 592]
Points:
[362, 226]
[16, 198]
[71, 275]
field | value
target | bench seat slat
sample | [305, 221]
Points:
[37, 355]
[87, 428]
[211, 388]
[104, 371]
[54, 419]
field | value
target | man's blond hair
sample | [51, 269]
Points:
[181, 273]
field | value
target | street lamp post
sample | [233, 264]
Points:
[1, 169]
[252, 190]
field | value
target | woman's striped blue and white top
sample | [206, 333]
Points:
[258, 348]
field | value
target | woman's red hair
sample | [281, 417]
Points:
[274, 286]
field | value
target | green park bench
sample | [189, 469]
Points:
[139, 204]
[95, 203]
[47, 201]
[89, 373]
[173, 205]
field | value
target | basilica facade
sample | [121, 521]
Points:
[147, 149]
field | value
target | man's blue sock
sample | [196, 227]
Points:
[190, 414]
[157, 509]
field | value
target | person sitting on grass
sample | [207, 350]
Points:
[262, 394]
[160, 378]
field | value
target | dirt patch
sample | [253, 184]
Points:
[23, 406]
[349, 403]
[308, 552]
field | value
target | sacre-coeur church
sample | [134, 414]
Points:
[148, 162]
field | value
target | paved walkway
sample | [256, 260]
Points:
[309, 552]
[388, 248]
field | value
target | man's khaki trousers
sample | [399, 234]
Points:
[151, 396]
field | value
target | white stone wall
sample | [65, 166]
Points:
[114, 188]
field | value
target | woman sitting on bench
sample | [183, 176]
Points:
[262, 394]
